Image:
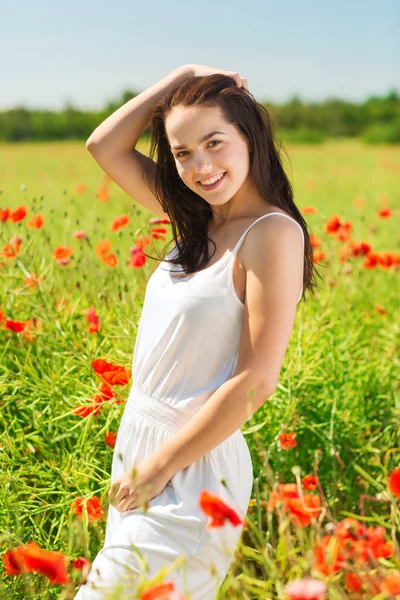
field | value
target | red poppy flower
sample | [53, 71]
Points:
[112, 374]
[332, 225]
[36, 222]
[80, 234]
[391, 584]
[32, 280]
[394, 482]
[16, 326]
[110, 260]
[93, 506]
[4, 214]
[137, 258]
[318, 255]
[287, 441]
[119, 222]
[111, 439]
[62, 254]
[307, 588]
[106, 391]
[103, 194]
[159, 233]
[18, 214]
[327, 559]
[161, 591]
[103, 247]
[82, 564]
[219, 512]
[301, 511]
[308, 210]
[28, 558]
[93, 320]
[310, 482]
[314, 240]
[371, 260]
[384, 213]
[13, 562]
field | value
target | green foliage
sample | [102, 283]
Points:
[376, 120]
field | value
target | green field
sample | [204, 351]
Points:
[339, 387]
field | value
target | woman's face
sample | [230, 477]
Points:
[199, 159]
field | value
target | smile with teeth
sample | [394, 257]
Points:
[212, 180]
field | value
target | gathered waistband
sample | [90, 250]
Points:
[158, 411]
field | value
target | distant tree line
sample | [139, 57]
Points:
[376, 120]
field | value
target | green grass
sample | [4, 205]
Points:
[338, 389]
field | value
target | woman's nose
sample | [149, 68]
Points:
[202, 166]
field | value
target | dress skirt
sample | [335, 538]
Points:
[140, 542]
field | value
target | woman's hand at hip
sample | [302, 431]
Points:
[137, 486]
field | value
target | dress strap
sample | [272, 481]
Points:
[236, 248]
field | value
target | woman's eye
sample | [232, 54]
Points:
[184, 151]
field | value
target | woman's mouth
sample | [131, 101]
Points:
[214, 185]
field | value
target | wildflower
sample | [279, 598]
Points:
[4, 214]
[287, 441]
[371, 260]
[301, 510]
[219, 512]
[318, 255]
[394, 482]
[80, 234]
[103, 193]
[307, 588]
[384, 213]
[310, 482]
[93, 320]
[82, 564]
[32, 558]
[36, 222]
[16, 326]
[111, 439]
[18, 214]
[112, 374]
[93, 507]
[308, 210]
[161, 591]
[332, 225]
[94, 407]
[103, 252]
[314, 240]
[327, 558]
[32, 280]
[62, 254]
[119, 222]
[391, 584]
[158, 233]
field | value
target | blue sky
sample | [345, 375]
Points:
[89, 52]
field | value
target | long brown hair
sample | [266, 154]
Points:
[189, 213]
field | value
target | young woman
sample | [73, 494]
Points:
[214, 328]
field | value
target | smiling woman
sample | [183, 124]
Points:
[207, 336]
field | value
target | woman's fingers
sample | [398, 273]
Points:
[240, 81]
[125, 503]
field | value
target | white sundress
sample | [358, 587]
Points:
[186, 348]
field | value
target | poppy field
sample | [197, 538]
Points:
[324, 518]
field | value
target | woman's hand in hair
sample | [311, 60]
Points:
[202, 70]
